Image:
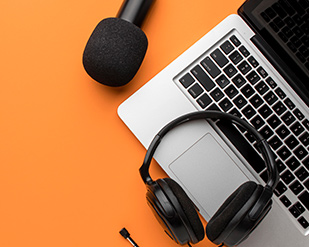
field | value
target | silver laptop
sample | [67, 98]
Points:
[233, 69]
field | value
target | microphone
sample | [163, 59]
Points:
[124, 233]
[117, 46]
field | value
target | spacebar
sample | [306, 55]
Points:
[242, 145]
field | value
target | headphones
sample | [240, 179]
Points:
[237, 217]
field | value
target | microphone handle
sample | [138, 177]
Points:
[134, 11]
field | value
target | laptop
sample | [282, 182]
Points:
[253, 65]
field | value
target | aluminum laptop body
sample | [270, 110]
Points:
[205, 159]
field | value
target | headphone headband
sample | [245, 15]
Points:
[267, 154]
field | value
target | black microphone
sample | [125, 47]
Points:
[117, 46]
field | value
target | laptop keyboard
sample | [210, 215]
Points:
[290, 20]
[230, 79]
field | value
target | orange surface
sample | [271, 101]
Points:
[68, 165]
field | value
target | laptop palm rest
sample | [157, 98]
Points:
[208, 173]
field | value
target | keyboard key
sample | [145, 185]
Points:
[288, 118]
[235, 57]
[231, 91]
[303, 222]
[271, 82]
[275, 142]
[225, 104]
[219, 58]
[299, 207]
[253, 62]
[293, 210]
[306, 124]
[280, 93]
[257, 122]
[230, 70]
[280, 189]
[265, 111]
[235, 112]
[306, 163]
[240, 101]
[247, 90]
[304, 138]
[298, 114]
[187, 80]
[239, 80]
[244, 51]
[244, 67]
[284, 153]
[300, 152]
[270, 98]
[195, 90]
[266, 132]
[248, 111]
[202, 77]
[261, 87]
[217, 94]
[256, 101]
[280, 12]
[227, 47]
[273, 121]
[306, 183]
[297, 128]
[289, 104]
[235, 41]
[282, 132]
[281, 167]
[253, 77]
[301, 173]
[204, 101]
[279, 108]
[222, 81]
[262, 72]
[291, 142]
[287, 177]
[286, 202]
[210, 67]
[296, 187]
[304, 198]
[293, 163]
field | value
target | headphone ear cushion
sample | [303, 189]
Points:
[188, 208]
[229, 209]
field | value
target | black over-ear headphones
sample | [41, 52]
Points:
[237, 217]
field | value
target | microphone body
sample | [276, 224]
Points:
[117, 46]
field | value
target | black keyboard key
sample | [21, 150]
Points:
[271, 82]
[242, 145]
[261, 87]
[289, 104]
[210, 67]
[280, 189]
[280, 93]
[277, 8]
[296, 6]
[257, 122]
[256, 101]
[235, 57]
[288, 118]
[287, 7]
[265, 111]
[235, 41]
[204, 101]
[279, 22]
[227, 47]
[291, 142]
[302, 173]
[306, 163]
[306, 183]
[297, 128]
[287, 177]
[202, 77]
[282, 132]
[248, 111]
[298, 114]
[225, 104]
[235, 112]
[281, 167]
[222, 81]
[306, 124]
[217, 94]
[219, 58]
[195, 90]
[230, 70]
[231, 91]
[244, 67]
[244, 51]
[303, 222]
[299, 207]
[273, 121]
[187, 80]
[296, 187]
[266, 132]
[286, 202]
[270, 98]
[293, 163]
[304, 138]
[284, 153]
[279, 108]
[247, 90]
[304, 198]
[294, 211]
[253, 77]
[240, 101]
[262, 72]
[300, 152]
[213, 107]
[253, 62]
[239, 80]
[275, 142]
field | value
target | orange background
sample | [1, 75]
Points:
[68, 165]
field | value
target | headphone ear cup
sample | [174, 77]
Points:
[188, 208]
[217, 225]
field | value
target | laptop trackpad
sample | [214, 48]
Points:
[208, 173]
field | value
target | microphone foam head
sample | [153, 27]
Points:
[114, 52]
